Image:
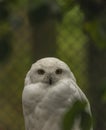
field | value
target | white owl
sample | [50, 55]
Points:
[50, 89]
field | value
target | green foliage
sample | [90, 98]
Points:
[95, 23]
[66, 5]
[4, 28]
[77, 110]
[96, 29]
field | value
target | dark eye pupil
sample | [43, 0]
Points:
[41, 71]
[59, 71]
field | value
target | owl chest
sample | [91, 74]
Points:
[48, 112]
[52, 106]
[47, 117]
[52, 103]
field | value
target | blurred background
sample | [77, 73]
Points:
[72, 30]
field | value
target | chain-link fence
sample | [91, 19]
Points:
[71, 46]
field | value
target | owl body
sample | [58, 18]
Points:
[50, 90]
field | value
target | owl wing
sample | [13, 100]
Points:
[80, 96]
[83, 98]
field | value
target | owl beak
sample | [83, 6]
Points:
[50, 81]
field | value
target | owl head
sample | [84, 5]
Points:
[49, 71]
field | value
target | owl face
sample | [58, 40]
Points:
[49, 71]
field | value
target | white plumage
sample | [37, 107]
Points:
[50, 89]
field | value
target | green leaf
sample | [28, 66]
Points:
[77, 110]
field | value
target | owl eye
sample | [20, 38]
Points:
[59, 71]
[41, 71]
